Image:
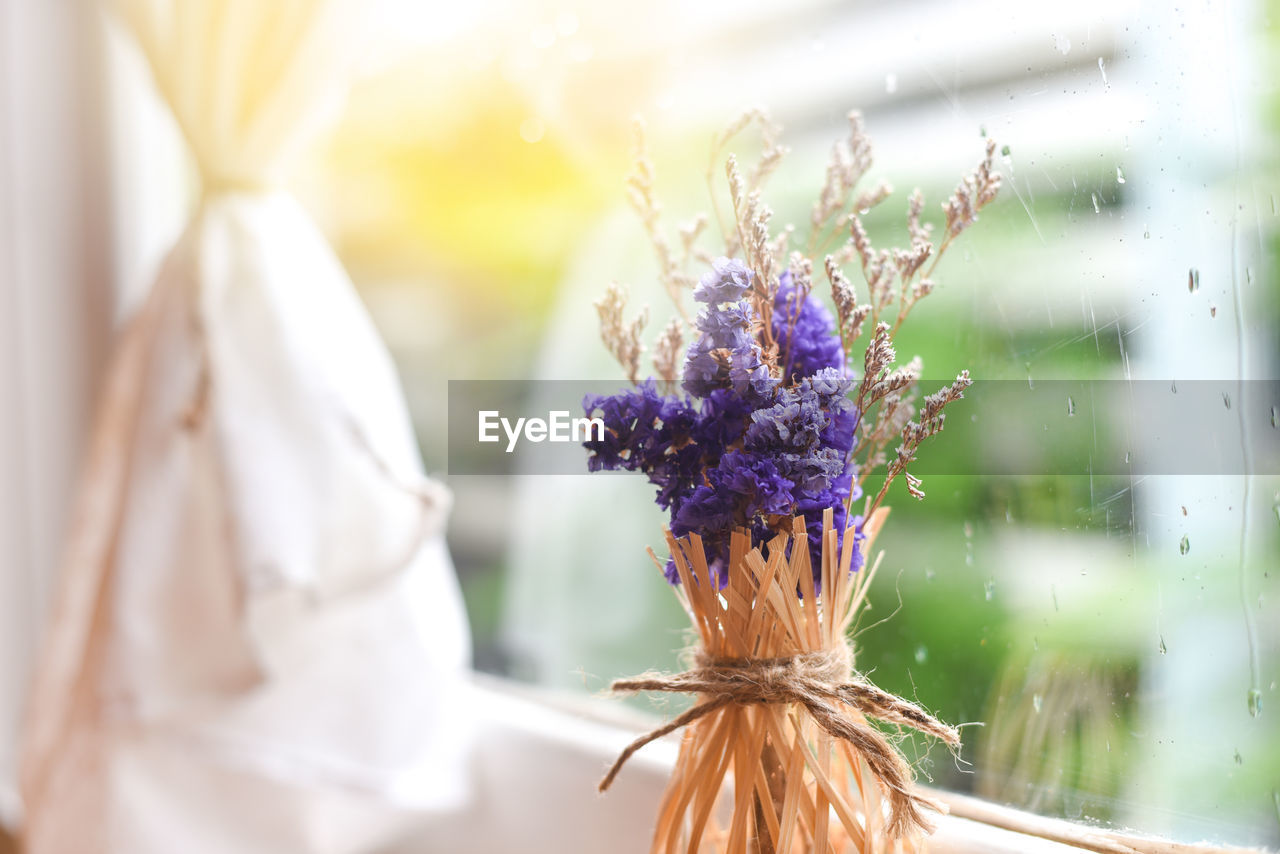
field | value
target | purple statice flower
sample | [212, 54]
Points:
[750, 377]
[721, 421]
[649, 432]
[793, 423]
[706, 513]
[726, 353]
[805, 331]
[724, 345]
[831, 387]
[758, 485]
[744, 449]
[726, 325]
[704, 371]
[812, 472]
[728, 280]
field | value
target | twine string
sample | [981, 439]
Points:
[824, 684]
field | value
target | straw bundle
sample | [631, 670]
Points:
[778, 754]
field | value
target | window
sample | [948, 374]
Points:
[1111, 621]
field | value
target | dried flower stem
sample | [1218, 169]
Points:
[850, 160]
[622, 338]
[929, 424]
[771, 154]
[669, 351]
[774, 686]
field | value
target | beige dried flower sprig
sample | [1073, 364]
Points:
[668, 353]
[621, 337]
[850, 160]
[894, 280]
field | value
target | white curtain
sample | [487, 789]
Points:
[258, 643]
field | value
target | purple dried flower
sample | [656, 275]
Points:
[721, 421]
[703, 372]
[649, 432]
[750, 377]
[747, 450]
[805, 331]
[728, 280]
[756, 482]
[726, 325]
[813, 472]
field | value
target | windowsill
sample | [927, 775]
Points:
[539, 754]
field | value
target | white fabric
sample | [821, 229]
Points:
[258, 643]
[248, 81]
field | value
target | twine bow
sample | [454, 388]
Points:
[825, 686]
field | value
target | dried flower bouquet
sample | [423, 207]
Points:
[760, 464]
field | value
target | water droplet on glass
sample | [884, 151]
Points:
[1062, 43]
[1193, 280]
[1071, 406]
[1146, 233]
[1004, 151]
[1161, 648]
[1037, 701]
[891, 83]
[1213, 310]
[1226, 400]
[930, 574]
[1119, 175]
[1096, 207]
[1239, 759]
[922, 654]
[1184, 545]
[1053, 591]
[1184, 509]
[1126, 458]
[968, 530]
[989, 589]
[1255, 702]
[1277, 509]
[1173, 386]
[1103, 69]
[1275, 416]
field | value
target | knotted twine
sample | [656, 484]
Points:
[825, 685]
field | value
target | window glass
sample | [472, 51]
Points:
[1101, 598]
